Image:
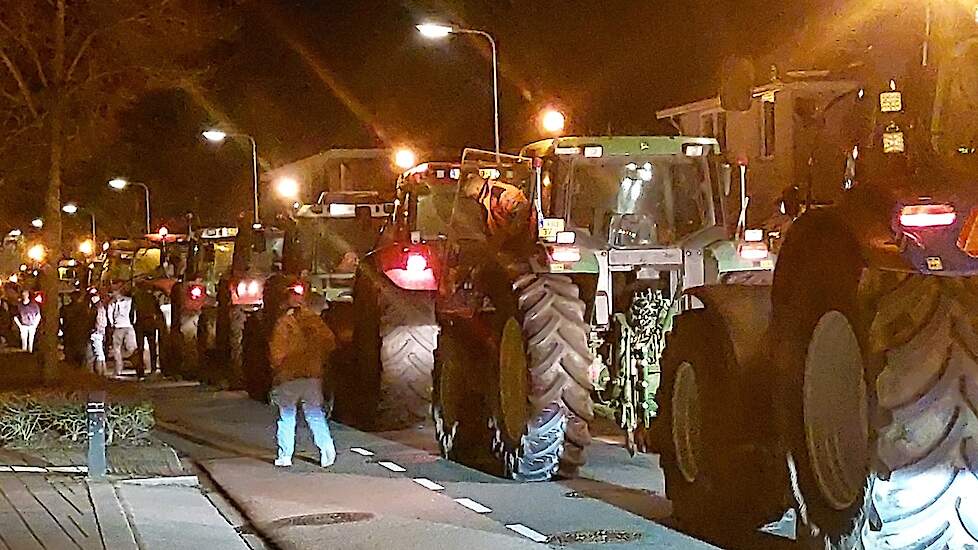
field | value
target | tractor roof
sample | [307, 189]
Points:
[617, 145]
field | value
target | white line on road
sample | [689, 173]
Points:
[527, 532]
[473, 505]
[391, 466]
[361, 451]
[428, 484]
[32, 469]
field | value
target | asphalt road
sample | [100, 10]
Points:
[391, 490]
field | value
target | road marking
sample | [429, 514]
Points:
[473, 505]
[428, 484]
[391, 466]
[360, 451]
[68, 469]
[527, 532]
[33, 469]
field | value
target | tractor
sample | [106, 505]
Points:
[847, 391]
[556, 307]
[383, 381]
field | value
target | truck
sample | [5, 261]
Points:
[837, 407]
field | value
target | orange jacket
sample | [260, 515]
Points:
[300, 345]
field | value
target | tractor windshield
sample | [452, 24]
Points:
[634, 201]
[333, 244]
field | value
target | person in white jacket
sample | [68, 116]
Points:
[97, 338]
[120, 317]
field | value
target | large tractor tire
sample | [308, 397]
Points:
[458, 398]
[388, 385]
[720, 469]
[877, 395]
[538, 385]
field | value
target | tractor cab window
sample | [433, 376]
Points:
[635, 201]
[328, 242]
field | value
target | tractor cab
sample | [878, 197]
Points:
[332, 237]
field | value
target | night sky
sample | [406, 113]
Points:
[308, 75]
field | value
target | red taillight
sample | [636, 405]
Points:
[927, 215]
[39, 298]
[415, 263]
[298, 289]
[408, 267]
[248, 292]
[196, 292]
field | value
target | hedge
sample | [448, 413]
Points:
[31, 418]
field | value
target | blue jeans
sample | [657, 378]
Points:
[308, 391]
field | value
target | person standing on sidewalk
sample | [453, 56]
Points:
[149, 321]
[97, 337]
[28, 318]
[120, 315]
[298, 348]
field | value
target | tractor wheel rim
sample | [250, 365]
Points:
[836, 411]
[513, 383]
[686, 422]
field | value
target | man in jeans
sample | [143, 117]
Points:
[120, 315]
[298, 348]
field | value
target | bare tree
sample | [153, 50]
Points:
[68, 68]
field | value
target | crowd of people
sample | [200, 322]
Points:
[100, 329]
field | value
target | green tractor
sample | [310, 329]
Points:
[847, 392]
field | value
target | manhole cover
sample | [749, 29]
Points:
[319, 519]
[598, 536]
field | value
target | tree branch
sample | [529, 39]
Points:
[78, 55]
[21, 83]
[26, 44]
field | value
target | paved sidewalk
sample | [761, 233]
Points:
[55, 512]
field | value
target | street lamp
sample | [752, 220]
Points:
[37, 223]
[287, 188]
[215, 135]
[87, 247]
[37, 253]
[71, 209]
[436, 31]
[121, 183]
[552, 121]
[405, 158]
[15, 233]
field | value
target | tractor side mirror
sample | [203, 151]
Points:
[737, 84]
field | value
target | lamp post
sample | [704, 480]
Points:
[122, 183]
[218, 136]
[71, 209]
[436, 31]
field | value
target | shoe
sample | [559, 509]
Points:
[327, 461]
[283, 462]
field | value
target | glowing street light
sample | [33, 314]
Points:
[215, 135]
[405, 158]
[37, 253]
[87, 247]
[164, 231]
[552, 121]
[15, 233]
[437, 31]
[122, 183]
[434, 30]
[37, 223]
[287, 188]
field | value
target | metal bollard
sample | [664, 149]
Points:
[96, 435]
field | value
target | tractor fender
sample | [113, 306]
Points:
[744, 312]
